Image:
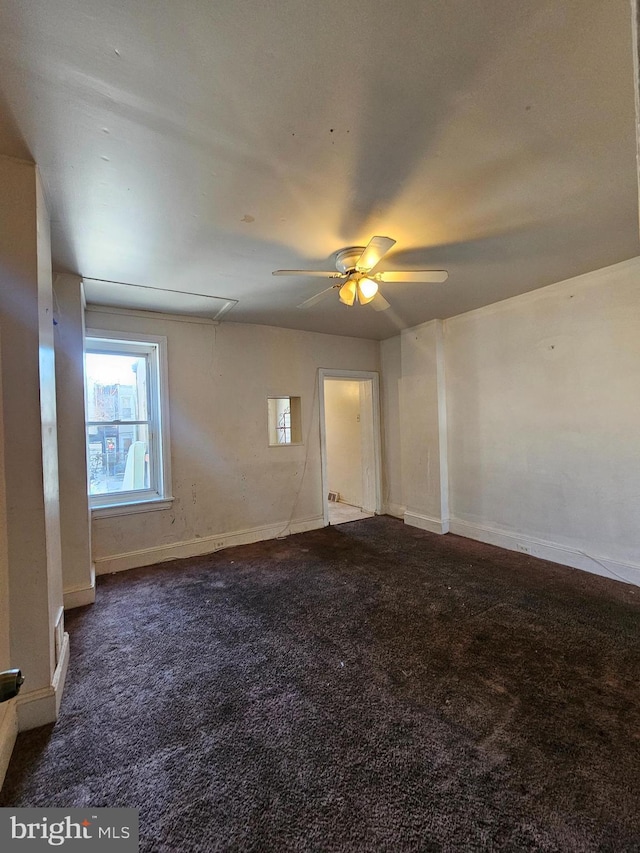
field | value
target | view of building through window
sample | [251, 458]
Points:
[117, 422]
[127, 428]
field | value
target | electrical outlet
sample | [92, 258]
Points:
[525, 549]
[218, 544]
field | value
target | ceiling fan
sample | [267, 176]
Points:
[356, 280]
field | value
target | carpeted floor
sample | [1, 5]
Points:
[368, 687]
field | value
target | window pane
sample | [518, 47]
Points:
[116, 387]
[284, 420]
[118, 458]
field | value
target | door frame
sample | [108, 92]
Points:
[359, 375]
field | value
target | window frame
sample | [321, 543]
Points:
[294, 427]
[158, 495]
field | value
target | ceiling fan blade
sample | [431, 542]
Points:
[379, 303]
[310, 273]
[317, 298]
[427, 276]
[378, 246]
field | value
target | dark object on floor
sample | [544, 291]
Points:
[11, 680]
[362, 688]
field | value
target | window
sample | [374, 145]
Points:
[127, 427]
[284, 420]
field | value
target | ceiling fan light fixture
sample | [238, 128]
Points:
[347, 292]
[367, 289]
[356, 279]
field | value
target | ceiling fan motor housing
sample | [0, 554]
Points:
[347, 259]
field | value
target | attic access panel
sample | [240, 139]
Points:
[138, 297]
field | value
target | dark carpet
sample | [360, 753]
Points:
[362, 687]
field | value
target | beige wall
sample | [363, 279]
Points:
[77, 574]
[226, 479]
[5, 639]
[8, 719]
[30, 441]
[48, 416]
[391, 374]
[533, 406]
[4, 560]
[21, 405]
[543, 415]
[422, 433]
[344, 440]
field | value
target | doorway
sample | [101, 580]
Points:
[350, 445]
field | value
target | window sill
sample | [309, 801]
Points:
[131, 508]
[289, 444]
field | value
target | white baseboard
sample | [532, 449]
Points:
[426, 522]
[395, 510]
[552, 551]
[8, 734]
[39, 707]
[79, 596]
[204, 545]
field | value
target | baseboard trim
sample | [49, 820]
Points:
[552, 551]
[39, 707]
[60, 675]
[395, 510]
[204, 545]
[79, 596]
[8, 735]
[426, 522]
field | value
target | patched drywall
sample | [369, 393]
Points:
[543, 410]
[227, 481]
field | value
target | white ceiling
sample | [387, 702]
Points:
[198, 146]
